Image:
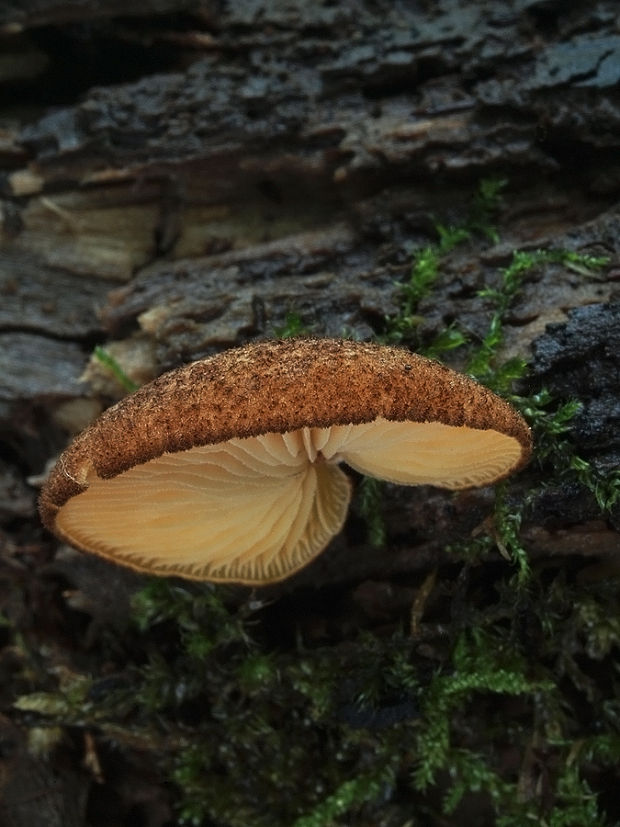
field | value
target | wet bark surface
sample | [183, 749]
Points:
[193, 177]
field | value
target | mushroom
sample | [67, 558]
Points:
[227, 469]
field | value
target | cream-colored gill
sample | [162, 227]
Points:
[223, 511]
[429, 453]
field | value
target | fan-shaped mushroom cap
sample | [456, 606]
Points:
[226, 469]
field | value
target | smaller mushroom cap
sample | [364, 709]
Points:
[227, 469]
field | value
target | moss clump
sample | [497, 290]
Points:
[426, 267]
[108, 361]
[293, 326]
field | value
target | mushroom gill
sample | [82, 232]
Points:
[262, 507]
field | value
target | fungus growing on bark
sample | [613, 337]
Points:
[227, 469]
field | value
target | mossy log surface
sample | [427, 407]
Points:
[194, 175]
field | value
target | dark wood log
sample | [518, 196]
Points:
[184, 178]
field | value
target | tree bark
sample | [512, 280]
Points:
[184, 181]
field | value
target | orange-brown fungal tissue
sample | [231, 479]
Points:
[228, 469]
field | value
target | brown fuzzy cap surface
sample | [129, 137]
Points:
[275, 386]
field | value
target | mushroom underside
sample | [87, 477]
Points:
[255, 510]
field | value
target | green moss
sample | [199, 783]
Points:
[426, 265]
[293, 326]
[109, 362]
[500, 298]
[369, 499]
[481, 662]
[366, 787]
[309, 736]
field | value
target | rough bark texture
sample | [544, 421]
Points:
[197, 176]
